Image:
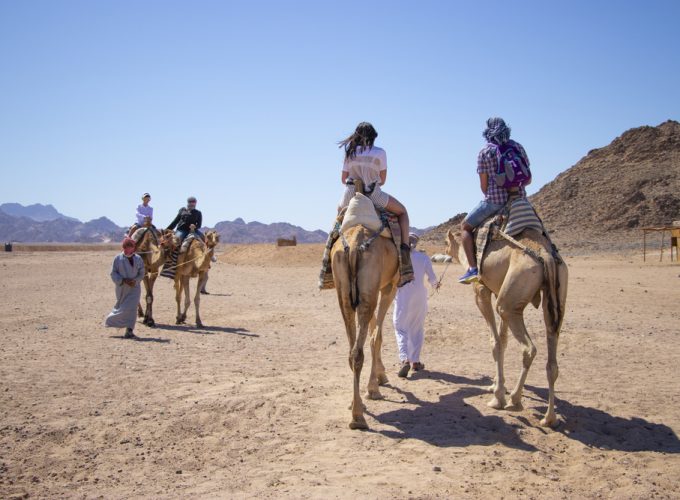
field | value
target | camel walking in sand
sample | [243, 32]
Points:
[194, 262]
[517, 279]
[364, 278]
[154, 251]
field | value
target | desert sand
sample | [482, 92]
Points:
[256, 403]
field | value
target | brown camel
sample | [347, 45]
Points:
[195, 261]
[153, 251]
[364, 279]
[517, 279]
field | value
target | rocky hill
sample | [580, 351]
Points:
[36, 212]
[614, 191]
[238, 231]
[602, 202]
[60, 230]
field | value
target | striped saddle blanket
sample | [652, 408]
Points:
[515, 217]
[168, 270]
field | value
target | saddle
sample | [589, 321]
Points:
[516, 216]
[139, 234]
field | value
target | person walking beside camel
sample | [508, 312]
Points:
[410, 309]
[127, 272]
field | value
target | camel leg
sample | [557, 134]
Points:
[550, 418]
[187, 297]
[357, 359]
[148, 315]
[498, 343]
[516, 324]
[197, 298]
[378, 376]
[178, 299]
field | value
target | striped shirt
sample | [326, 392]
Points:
[487, 163]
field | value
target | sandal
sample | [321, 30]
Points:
[418, 366]
[403, 371]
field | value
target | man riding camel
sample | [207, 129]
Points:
[186, 218]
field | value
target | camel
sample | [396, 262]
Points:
[153, 252]
[195, 261]
[364, 279]
[517, 279]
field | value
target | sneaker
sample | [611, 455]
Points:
[403, 371]
[417, 366]
[470, 276]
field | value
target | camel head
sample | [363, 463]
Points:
[167, 240]
[453, 242]
[212, 239]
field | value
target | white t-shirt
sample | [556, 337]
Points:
[366, 165]
[142, 212]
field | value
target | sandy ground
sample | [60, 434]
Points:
[255, 404]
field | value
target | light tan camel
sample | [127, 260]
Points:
[364, 279]
[194, 262]
[153, 252]
[517, 279]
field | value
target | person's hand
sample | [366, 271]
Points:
[130, 283]
[437, 285]
[192, 228]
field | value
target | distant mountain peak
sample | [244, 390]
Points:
[37, 212]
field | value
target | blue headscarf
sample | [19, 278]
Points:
[496, 131]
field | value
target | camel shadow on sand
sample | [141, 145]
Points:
[599, 429]
[206, 330]
[452, 422]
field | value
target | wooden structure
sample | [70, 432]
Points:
[674, 233]
[283, 242]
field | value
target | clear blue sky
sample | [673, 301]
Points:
[242, 103]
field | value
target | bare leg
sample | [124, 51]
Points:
[468, 243]
[394, 206]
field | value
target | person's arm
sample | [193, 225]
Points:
[140, 270]
[383, 168]
[484, 182]
[199, 220]
[344, 176]
[175, 221]
[431, 277]
[115, 275]
[383, 177]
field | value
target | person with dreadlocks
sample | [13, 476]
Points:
[497, 135]
[367, 162]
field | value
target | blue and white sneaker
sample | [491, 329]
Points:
[470, 276]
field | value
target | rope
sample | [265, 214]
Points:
[439, 282]
[524, 248]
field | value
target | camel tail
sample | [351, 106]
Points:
[353, 269]
[552, 292]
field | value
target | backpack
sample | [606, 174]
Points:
[512, 170]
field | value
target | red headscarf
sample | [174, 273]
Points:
[129, 246]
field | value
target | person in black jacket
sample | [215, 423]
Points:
[186, 217]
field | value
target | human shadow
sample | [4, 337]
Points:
[141, 339]
[599, 429]
[207, 330]
[450, 422]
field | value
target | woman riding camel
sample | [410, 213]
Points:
[366, 162]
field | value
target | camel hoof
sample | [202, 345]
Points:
[382, 379]
[199, 324]
[151, 323]
[373, 395]
[514, 406]
[496, 404]
[358, 423]
[549, 421]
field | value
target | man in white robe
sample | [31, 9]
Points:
[410, 309]
[127, 273]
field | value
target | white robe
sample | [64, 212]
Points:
[124, 314]
[410, 309]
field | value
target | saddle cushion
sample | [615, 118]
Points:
[522, 216]
[360, 211]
